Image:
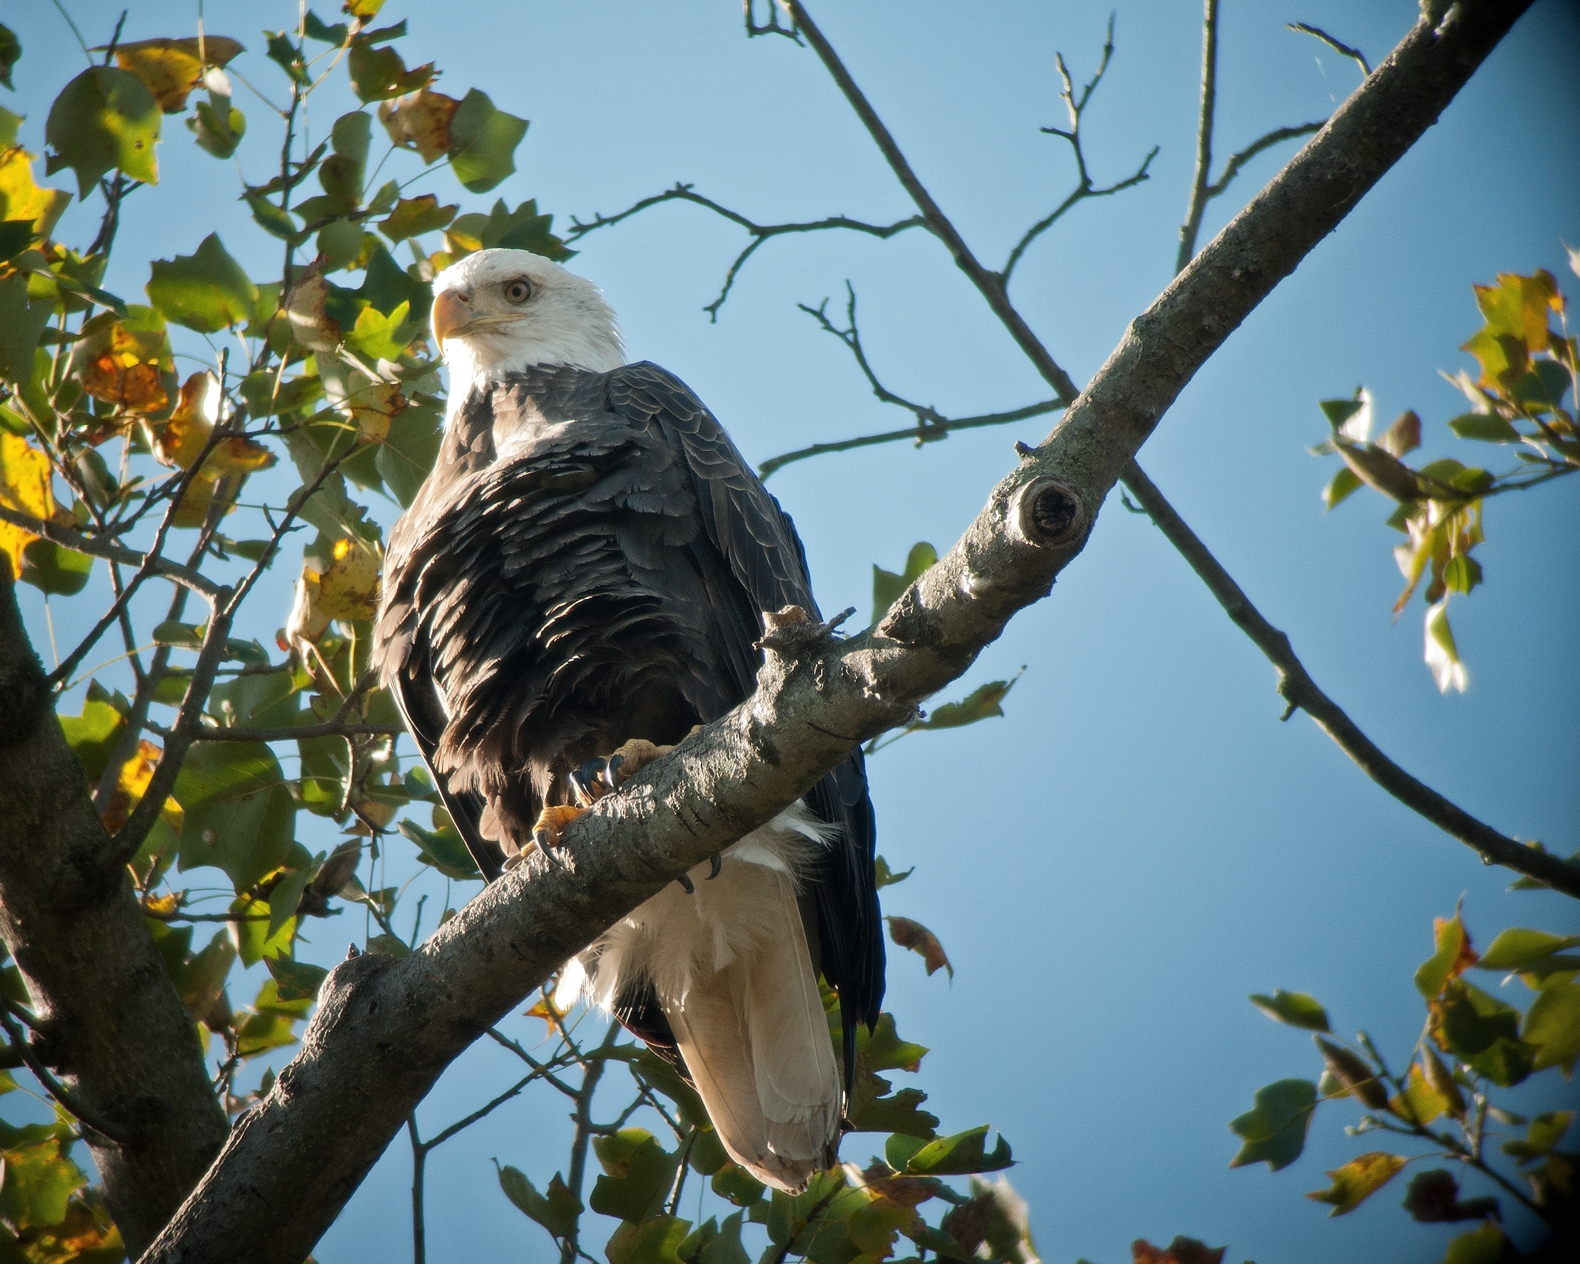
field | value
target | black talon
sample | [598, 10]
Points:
[716, 863]
[587, 780]
[541, 838]
[685, 881]
[611, 770]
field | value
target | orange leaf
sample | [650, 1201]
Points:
[420, 121]
[916, 937]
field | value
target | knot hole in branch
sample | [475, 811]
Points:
[1047, 513]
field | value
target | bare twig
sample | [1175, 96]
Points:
[209, 733]
[1084, 188]
[930, 423]
[1355, 54]
[988, 282]
[1203, 187]
[87, 1117]
[760, 232]
[1299, 690]
[771, 26]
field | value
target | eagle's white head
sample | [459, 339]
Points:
[501, 311]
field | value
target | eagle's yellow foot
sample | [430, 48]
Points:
[546, 832]
[620, 767]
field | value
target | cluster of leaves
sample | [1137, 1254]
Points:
[1527, 371]
[1472, 1043]
[848, 1215]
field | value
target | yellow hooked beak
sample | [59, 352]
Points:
[452, 313]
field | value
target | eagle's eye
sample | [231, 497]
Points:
[518, 291]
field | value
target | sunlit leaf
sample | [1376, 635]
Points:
[104, 119]
[22, 322]
[126, 360]
[1295, 1008]
[421, 122]
[1441, 654]
[1486, 1245]
[655, 1241]
[239, 813]
[1452, 957]
[887, 586]
[414, 216]
[445, 850]
[25, 477]
[886, 877]
[1519, 947]
[1358, 1180]
[1340, 488]
[958, 1154]
[1552, 1024]
[171, 68]
[638, 1173]
[295, 980]
[217, 126]
[22, 199]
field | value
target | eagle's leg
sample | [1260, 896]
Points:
[625, 763]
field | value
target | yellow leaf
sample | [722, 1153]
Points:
[132, 784]
[1357, 1180]
[20, 198]
[24, 486]
[171, 68]
[124, 365]
[349, 589]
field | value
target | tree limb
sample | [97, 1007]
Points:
[386, 1028]
[1299, 690]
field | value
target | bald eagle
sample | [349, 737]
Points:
[587, 564]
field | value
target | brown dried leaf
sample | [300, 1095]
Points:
[1182, 1250]
[420, 121]
[310, 324]
[920, 940]
[172, 68]
[124, 366]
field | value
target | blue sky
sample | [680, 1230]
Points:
[1139, 843]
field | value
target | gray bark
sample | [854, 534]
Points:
[386, 1028]
[112, 1025]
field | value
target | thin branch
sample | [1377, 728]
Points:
[592, 1072]
[419, 1165]
[1238, 160]
[1354, 54]
[930, 423]
[461, 1125]
[770, 27]
[1202, 176]
[79, 543]
[988, 283]
[1075, 105]
[57, 1090]
[1299, 690]
[208, 733]
[759, 232]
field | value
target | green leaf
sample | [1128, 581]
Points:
[104, 118]
[887, 877]
[883, 1050]
[963, 1152]
[1552, 1024]
[656, 1241]
[173, 632]
[1487, 427]
[15, 235]
[414, 216]
[873, 1108]
[22, 322]
[638, 1173]
[93, 734]
[1519, 947]
[380, 337]
[206, 291]
[1485, 1245]
[982, 703]
[10, 54]
[483, 141]
[39, 1181]
[410, 448]
[52, 568]
[1462, 573]
[557, 1211]
[217, 126]
[251, 929]
[1472, 1019]
[736, 1184]
[284, 54]
[315, 28]
[1358, 1180]
[887, 587]
[444, 849]
[1340, 488]
[239, 815]
[1274, 1129]
[286, 897]
[1339, 411]
[340, 243]
[379, 73]
[1295, 1008]
[296, 980]
[272, 219]
[1543, 1136]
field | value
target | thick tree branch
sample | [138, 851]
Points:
[1299, 690]
[386, 1027]
[113, 1029]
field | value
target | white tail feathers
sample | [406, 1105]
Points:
[733, 974]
